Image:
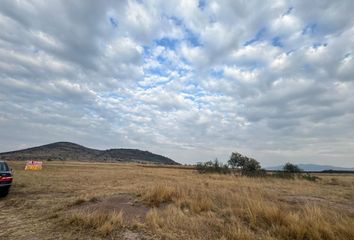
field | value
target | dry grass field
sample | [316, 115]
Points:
[126, 201]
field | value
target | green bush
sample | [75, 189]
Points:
[291, 168]
[310, 177]
[212, 167]
[248, 166]
[290, 171]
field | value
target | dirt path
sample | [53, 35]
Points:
[19, 219]
[19, 224]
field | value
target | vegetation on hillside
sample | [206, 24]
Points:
[67, 151]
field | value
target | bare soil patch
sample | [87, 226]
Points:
[130, 235]
[132, 209]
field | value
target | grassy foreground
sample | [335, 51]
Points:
[126, 201]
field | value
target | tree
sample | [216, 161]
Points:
[237, 160]
[291, 168]
[251, 165]
[248, 166]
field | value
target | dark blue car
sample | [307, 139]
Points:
[5, 179]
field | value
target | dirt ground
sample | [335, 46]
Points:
[75, 200]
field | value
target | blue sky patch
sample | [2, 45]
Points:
[318, 44]
[309, 29]
[217, 73]
[167, 42]
[288, 12]
[276, 42]
[259, 36]
[202, 4]
[113, 22]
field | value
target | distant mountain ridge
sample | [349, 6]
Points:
[314, 168]
[71, 151]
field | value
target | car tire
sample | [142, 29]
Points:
[4, 192]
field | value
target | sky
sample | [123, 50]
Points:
[191, 80]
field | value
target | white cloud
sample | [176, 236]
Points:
[271, 79]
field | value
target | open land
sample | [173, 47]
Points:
[78, 200]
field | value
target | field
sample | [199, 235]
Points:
[75, 200]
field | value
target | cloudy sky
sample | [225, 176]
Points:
[192, 80]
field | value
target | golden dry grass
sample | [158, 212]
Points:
[183, 204]
[102, 222]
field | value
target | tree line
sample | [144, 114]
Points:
[247, 166]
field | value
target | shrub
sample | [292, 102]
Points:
[290, 171]
[159, 194]
[212, 167]
[310, 177]
[291, 168]
[248, 166]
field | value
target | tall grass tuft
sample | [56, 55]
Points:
[103, 222]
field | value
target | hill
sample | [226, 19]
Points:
[74, 152]
[314, 168]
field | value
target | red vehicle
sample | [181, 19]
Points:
[5, 179]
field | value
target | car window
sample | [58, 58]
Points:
[3, 167]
